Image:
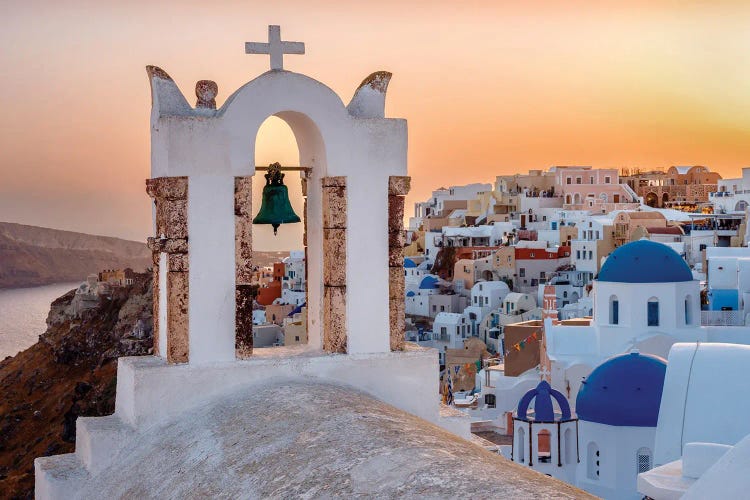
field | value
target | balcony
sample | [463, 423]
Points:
[722, 318]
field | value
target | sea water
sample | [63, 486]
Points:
[23, 315]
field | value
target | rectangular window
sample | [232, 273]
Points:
[653, 313]
[591, 180]
[442, 308]
[607, 180]
[567, 181]
[578, 180]
[522, 272]
[578, 254]
[591, 255]
[434, 308]
[296, 338]
[486, 301]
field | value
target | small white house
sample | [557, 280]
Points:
[450, 330]
[259, 317]
[517, 303]
[485, 297]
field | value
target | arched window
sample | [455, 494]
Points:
[644, 460]
[652, 312]
[521, 445]
[592, 461]
[614, 310]
[569, 446]
[604, 197]
[688, 311]
[490, 400]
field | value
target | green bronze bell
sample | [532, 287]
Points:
[275, 208]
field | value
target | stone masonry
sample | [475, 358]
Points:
[398, 187]
[334, 264]
[243, 241]
[170, 199]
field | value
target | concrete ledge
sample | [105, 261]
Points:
[665, 482]
[58, 477]
[98, 439]
[149, 390]
[455, 421]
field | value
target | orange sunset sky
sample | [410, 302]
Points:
[487, 87]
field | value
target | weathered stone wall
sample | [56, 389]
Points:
[398, 188]
[334, 264]
[243, 240]
[170, 199]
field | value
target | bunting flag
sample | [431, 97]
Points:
[522, 344]
[456, 369]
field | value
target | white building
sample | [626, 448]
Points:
[418, 301]
[733, 195]
[294, 271]
[516, 303]
[449, 330]
[485, 296]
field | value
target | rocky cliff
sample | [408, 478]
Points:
[31, 256]
[70, 372]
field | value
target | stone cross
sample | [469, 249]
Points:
[275, 47]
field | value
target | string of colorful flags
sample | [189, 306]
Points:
[521, 344]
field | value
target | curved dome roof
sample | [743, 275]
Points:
[645, 261]
[409, 264]
[624, 390]
[428, 283]
[542, 395]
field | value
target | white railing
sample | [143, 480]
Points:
[722, 318]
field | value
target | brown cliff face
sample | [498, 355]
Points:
[31, 256]
[70, 372]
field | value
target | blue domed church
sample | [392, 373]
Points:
[618, 409]
[608, 441]
[645, 298]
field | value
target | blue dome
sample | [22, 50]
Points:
[410, 293]
[409, 264]
[428, 283]
[623, 391]
[543, 409]
[645, 261]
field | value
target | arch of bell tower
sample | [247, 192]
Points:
[354, 166]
